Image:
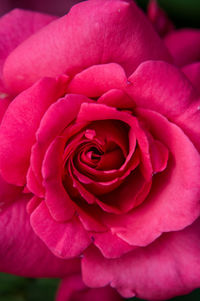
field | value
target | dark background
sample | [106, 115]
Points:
[184, 13]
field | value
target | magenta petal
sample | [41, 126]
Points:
[98, 79]
[59, 203]
[90, 218]
[96, 111]
[192, 72]
[184, 45]
[8, 193]
[110, 245]
[118, 99]
[33, 184]
[94, 32]
[19, 125]
[168, 267]
[72, 288]
[189, 121]
[33, 204]
[159, 156]
[58, 116]
[131, 193]
[22, 252]
[161, 87]
[173, 202]
[65, 240]
[17, 26]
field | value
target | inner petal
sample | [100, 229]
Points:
[111, 160]
[90, 156]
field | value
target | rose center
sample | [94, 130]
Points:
[94, 154]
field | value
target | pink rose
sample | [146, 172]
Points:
[100, 143]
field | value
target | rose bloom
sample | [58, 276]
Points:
[99, 155]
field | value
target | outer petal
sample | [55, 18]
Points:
[161, 87]
[17, 26]
[184, 45]
[168, 267]
[19, 125]
[73, 289]
[192, 71]
[94, 32]
[22, 252]
[173, 94]
[189, 121]
[65, 240]
[8, 193]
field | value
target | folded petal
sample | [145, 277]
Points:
[118, 99]
[110, 245]
[98, 79]
[19, 125]
[168, 267]
[72, 288]
[59, 115]
[65, 240]
[94, 32]
[58, 201]
[22, 252]
[161, 87]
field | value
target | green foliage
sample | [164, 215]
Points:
[13, 288]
